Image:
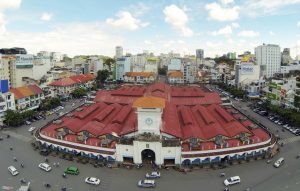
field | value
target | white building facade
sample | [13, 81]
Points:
[268, 57]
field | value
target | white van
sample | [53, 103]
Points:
[13, 171]
[232, 180]
[46, 167]
[279, 162]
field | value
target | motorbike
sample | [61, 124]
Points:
[23, 181]
[222, 174]
[22, 165]
[64, 175]
[63, 189]
[47, 185]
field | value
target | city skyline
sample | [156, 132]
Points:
[91, 27]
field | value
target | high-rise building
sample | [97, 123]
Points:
[268, 57]
[123, 65]
[119, 51]
[286, 57]
[200, 53]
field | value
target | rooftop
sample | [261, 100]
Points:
[26, 91]
[77, 79]
[190, 113]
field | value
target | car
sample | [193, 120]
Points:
[31, 129]
[238, 99]
[73, 104]
[153, 174]
[44, 166]
[61, 113]
[286, 125]
[13, 171]
[295, 130]
[146, 183]
[232, 180]
[279, 162]
[72, 170]
[44, 152]
[27, 122]
[92, 180]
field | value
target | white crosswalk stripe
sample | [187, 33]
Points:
[289, 140]
[17, 136]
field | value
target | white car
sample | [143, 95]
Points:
[153, 174]
[232, 180]
[31, 129]
[92, 180]
[279, 162]
[13, 171]
[146, 183]
[44, 166]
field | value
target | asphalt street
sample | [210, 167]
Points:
[256, 175]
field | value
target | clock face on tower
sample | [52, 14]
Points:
[148, 121]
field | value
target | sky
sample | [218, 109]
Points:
[88, 27]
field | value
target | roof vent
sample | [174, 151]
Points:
[79, 109]
[69, 115]
[59, 121]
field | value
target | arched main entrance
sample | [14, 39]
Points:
[147, 156]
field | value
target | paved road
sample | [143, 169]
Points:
[257, 175]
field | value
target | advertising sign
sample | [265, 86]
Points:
[247, 69]
[24, 61]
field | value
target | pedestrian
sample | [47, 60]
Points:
[57, 164]
[54, 164]
[46, 159]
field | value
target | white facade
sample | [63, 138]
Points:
[269, 58]
[246, 73]
[149, 120]
[119, 52]
[7, 101]
[122, 66]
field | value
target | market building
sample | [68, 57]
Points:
[165, 124]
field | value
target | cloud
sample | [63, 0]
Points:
[10, 4]
[125, 20]
[219, 12]
[271, 33]
[46, 17]
[148, 42]
[298, 24]
[248, 34]
[73, 39]
[137, 9]
[227, 30]
[235, 25]
[225, 2]
[4, 5]
[261, 7]
[178, 19]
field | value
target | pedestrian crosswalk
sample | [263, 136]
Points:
[17, 136]
[289, 140]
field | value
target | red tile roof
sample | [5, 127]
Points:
[26, 91]
[77, 79]
[183, 117]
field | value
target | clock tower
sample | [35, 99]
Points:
[149, 114]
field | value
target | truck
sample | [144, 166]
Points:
[24, 187]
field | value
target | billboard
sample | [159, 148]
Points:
[24, 61]
[247, 69]
[4, 86]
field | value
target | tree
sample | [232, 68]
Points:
[163, 70]
[102, 76]
[13, 118]
[109, 62]
[51, 103]
[79, 92]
